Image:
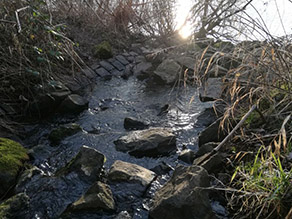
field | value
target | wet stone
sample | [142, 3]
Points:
[87, 164]
[73, 104]
[103, 73]
[122, 171]
[131, 123]
[97, 197]
[107, 65]
[183, 196]
[118, 65]
[122, 59]
[151, 142]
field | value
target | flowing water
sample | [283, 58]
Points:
[102, 123]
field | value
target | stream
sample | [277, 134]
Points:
[102, 123]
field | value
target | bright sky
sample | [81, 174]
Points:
[267, 8]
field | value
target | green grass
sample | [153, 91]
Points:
[265, 184]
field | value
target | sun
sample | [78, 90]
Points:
[182, 12]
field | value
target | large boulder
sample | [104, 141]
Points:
[12, 156]
[152, 142]
[15, 207]
[97, 197]
[126, 172]
[168, 71]
[183, 196]
[73, 104]
[187, 62]
[58, 134]
[87, 164]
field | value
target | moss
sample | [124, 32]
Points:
[14, 207]
[103, 50]
[12, 154]
[58, 134]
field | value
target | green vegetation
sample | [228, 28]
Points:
[103, 50]
[12, 155]
[265, 186]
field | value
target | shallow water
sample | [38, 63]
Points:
[110, 102]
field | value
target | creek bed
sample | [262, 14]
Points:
[110, 102]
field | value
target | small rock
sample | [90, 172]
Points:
[27, 177]
[211, 90]
[58, 134]
[152, 142]
[140, 59]
[126, 172]
[107, 66]
[122, 59]
[73, 104]
[162, 168]
[128, 72]
[205, 148]
[168, 71]
[103, 73]
[132, 53]
[131, 123]
[123, 215]
[97, 197]
[12, 156]
[212, 164]
[213, 133]
[118, 65]
[187, 156]
[183, 196]
[87, 164]
[15, 207]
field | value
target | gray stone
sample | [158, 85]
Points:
[168, 71]
[131, 123]
[183, 196]
[73, 104]
[152, 142]
[103, 73]
[107, 65]
[187, 62]
[206, 148]
[211, 90]
[97, 197]
[118, 65]
[142, 69]
[212, 164]
[213, 133]
[123, 215]
[61, 132]
[59, 96]
[131, 58]
[89, 73]
[126, 172]
[140, 59]
[187, 156]
[26, 177]
[122, 59]
[87, 164]
[132, 53]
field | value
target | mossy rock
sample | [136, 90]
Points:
[14, 207]
[103, 50]
[12, 156]
[58, 134]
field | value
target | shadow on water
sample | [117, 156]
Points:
[110, 102]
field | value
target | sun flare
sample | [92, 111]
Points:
[183, 9]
